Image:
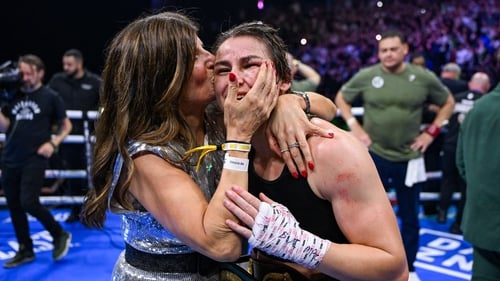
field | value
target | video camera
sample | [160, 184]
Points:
[10, 80]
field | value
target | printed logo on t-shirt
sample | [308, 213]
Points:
[377, 82]
[463, 107]
[411, 77]
[25, 110]
[86, 86]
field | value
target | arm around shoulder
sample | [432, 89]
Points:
[322, 106]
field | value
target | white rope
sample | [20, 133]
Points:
[53, 200]
[60, 200]
[93, 115]
[68, 174]
[73, 114]
[425, 196]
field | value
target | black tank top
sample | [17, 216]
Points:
[314, 214]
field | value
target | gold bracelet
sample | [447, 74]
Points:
[236, 146]
[228, 145]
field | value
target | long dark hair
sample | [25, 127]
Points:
[148, 65]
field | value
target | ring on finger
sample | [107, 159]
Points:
[284, 150]
[295, 144]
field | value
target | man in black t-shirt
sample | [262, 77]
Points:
[28, 121]
[79, 89]
[479, 85]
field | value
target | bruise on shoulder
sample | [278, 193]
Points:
[346, 180]
[344, 186]
[337, 169]
[346, 177]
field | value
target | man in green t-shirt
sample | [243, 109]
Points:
[393, 94]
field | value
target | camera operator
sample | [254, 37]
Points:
[28, 120]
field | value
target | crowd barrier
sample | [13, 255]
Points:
[88, 139]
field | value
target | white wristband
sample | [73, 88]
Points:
[351, 121]
[235, 163]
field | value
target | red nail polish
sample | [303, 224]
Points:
[304, 173]
[330, 134]
[295, 175]
[232, 77]
[310, 165]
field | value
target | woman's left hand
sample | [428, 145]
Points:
[245, 207]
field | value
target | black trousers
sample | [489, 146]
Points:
[74, 158]
[452, 181]
[22, 188]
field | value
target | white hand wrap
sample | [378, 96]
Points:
[277, 232]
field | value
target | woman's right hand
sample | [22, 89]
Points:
[243, 116]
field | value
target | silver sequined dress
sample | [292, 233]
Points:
[143, 232]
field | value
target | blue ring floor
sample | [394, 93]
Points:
[442, 256]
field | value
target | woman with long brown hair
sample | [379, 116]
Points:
[157, 102]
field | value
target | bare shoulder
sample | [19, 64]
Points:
[341, 163]
[342, 142]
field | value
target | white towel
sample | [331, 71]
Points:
[415, 171]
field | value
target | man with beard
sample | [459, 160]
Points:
[79, 89]
[393, 94]
[28, 121]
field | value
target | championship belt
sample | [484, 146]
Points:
[266, 268]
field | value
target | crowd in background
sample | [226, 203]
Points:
[341, 34]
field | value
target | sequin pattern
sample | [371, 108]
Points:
[143, 232]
